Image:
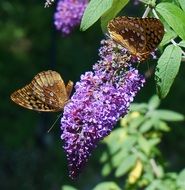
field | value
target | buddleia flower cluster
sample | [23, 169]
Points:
[68, 15]
[101, 97]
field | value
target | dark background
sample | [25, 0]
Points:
[31, 158]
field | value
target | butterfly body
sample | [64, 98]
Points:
[46, 92]
[139, 35]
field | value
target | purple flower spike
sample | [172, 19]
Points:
[68, 15]
[100, 99]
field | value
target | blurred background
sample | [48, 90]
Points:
[31, 158]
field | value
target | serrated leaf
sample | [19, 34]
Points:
[174, 16]
[68, 187]
[95, 9]
[154, 102]
[107, 186]
[116, 7]
[181, 179]
[182, 4]
[167, 69]
[126, 165]
[168, 115]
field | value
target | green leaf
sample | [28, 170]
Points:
[104, 157]
[163, 126]
[170, 34]
[126, 165]
[95, 9]
[115, 140]
[174, 16]
[181, 179]
[129, 143]
[139, 107]
[182, 43]
[167, 69]
[182, 4]
[107, 186]
[116, 7]
[146, 126]
[68, 187]
[144, 145]
[118, 157]
[135, 123]
[154, 102]
[106, 170]
[168, 115]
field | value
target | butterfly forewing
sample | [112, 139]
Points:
[46, 92]
[139, 35]
[50, 87]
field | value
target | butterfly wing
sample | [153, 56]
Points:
[46, 93]
[139, 35]
[154, 31]
[25, 97]
[50, 84]
[128, 32]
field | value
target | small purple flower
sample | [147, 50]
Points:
[68, 14]
[100, 99]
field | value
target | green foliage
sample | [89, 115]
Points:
[182, 4]
[136, 152]
[181, 179]
[174, 16]
[68, 187]
[107, 186]
[106, 10]
[167, 69]
[93, 12]
[116, 7]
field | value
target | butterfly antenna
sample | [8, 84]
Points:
[54, 123]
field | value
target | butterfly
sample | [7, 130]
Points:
[140, 36]
[46, 93]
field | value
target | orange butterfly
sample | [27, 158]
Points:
[46, 93]
[140, 36]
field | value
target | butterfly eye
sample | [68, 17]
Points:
[140, 36]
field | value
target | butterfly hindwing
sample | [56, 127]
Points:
[25, 97]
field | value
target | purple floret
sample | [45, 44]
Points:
[69, 14]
